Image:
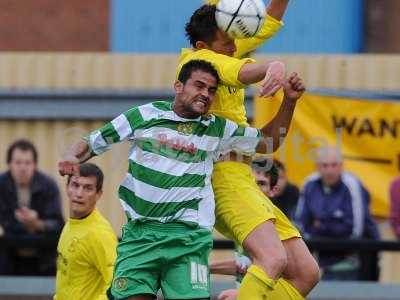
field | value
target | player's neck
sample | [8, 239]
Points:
[181, 112]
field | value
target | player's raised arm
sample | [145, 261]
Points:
[215, 46]
[277, 9]
[99, 141]
[270, 74]
[272, 25]
[278, 127]
[78, 153]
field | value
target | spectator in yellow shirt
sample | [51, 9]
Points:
[87, 246]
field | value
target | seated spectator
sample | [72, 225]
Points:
[286, 194]
[395, 206]
[29, 206]
[335, 204]
[86, 272]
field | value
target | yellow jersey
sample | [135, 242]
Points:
[86, 255]
[229, 99]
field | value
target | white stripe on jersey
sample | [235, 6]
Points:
[122, 126]
[169, 166]
[97, 143]
[147, 191]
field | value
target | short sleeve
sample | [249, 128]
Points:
[270, 27]
[228, 68]
[240, 139]
[118, 130]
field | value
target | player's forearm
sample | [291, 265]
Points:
[277, 8]
[276, 130]
[223, 267]
[80, 151]
[253, 72]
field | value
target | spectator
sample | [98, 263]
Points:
[395, 206]
[335, 204]
[266, 173]
[86, 271]
[29, 207]
[286, 194]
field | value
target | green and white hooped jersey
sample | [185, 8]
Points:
[171, 161]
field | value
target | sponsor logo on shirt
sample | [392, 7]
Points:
[177, 144]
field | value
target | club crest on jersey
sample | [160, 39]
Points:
[72, 245]
[120, 284]
[185, 129]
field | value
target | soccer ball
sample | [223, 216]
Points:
[240, 18]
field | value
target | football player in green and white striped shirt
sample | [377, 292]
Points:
[167, 193]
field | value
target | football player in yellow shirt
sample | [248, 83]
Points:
[243, 212]
[87, 245]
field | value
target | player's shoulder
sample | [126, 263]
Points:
[156, 106]
[191, 54]
[100, 226]
[102, 233]
[150, 110]
[223, 122]
[217, 125]
[161, 105]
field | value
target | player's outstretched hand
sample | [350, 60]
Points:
[273, 80]
[293, 87]
[228, 295]
[68, 166]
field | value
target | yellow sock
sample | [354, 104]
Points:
[284, 291]
[255, 285]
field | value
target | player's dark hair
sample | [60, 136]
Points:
[279, 165]
[91, 170]
[197, 65]
[268, 167]
[202, 25]
[23, 145]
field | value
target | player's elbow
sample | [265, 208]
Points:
[252, 72]
[268, 144]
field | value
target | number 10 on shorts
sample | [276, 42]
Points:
[199, 275]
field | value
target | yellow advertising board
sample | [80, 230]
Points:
[367, 131]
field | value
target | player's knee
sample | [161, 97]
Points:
[280, 261]
[273, 263]
[313, 275]
[309, 276]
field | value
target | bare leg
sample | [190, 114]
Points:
[302, 270]
[290, 259]
[266, 249]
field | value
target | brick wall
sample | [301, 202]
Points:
[50, 25]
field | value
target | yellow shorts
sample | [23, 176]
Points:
[240, 206]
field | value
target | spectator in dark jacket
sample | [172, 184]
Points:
[29, 206]
[287, 194]
[395, 206]
[335, 204]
